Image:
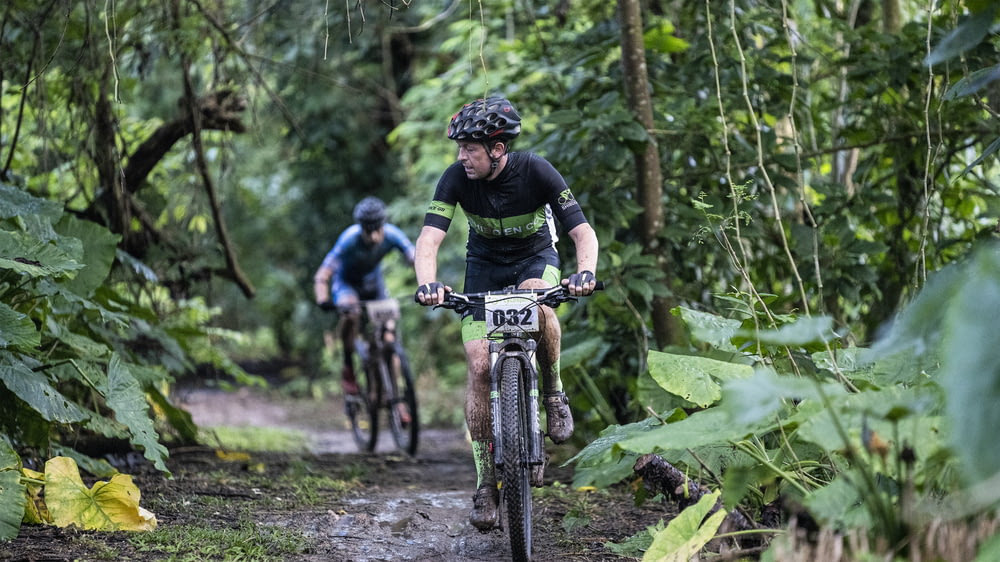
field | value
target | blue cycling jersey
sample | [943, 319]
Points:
[358, 265]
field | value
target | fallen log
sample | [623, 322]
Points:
[661, 477]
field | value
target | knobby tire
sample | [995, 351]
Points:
[516, 486]
[362, 410]
[399, 389]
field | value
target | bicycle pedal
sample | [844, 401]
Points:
[538, 475]
[538, 472]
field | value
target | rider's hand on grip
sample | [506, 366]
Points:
[429, 292]
[581, 283]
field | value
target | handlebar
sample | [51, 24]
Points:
[551, 296]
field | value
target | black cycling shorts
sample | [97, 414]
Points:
[483, 275]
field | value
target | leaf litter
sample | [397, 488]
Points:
[330, 502]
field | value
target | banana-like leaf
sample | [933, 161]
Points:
[107, 506]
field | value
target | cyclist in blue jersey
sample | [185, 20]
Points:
[512, 201]
[354, 267]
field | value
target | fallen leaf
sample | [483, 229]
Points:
[108, 506]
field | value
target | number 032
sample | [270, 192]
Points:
[502, 316]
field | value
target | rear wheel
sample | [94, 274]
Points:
[402, 401]
[515, 476]
[362, 412]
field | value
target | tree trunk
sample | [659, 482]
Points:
[892, 18]
[647, 162]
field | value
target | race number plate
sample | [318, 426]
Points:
[511, 313]
[381, 311]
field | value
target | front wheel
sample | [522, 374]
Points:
[362, 412]
[516, 473]
[401, 400]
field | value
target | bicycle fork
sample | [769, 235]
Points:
[523, 351]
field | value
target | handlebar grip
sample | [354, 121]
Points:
[599, 286]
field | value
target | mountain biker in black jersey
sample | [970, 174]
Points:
[510, 200]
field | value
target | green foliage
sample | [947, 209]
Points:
[258, 439]
[813, 174]
[688, 533]
[82, 354]
[864, 438]
[12, 492]
[248, 541]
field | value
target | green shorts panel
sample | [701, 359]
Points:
[476, 329]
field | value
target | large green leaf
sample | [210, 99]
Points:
[805, 330]
[988, 152]
[970, 370]
[16, 202]
[712, 329]
[126, 398]
[759, 397]
[839, 505]
[99, 248]
[12, 497]
[178, 418]
[17, 330]
[8, 456]
[600, 464]
[687, 533]
[707, 427]
[693, 378]
[108, 506]
[969, 33]
[26, 254]
[34, 388]
[610, 436]
[974, 82]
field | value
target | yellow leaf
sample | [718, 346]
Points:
[231, 455]
[34, 510]
[108, 506]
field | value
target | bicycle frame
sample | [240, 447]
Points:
[512, 322]
[388, 377]
[378, 321]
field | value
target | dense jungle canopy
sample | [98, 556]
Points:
[173, 172]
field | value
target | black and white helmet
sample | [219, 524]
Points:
[485, 120]
[370, 213]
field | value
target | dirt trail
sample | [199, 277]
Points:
[412, 508]
[405, 508]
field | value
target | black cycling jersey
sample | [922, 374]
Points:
[511, 217]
